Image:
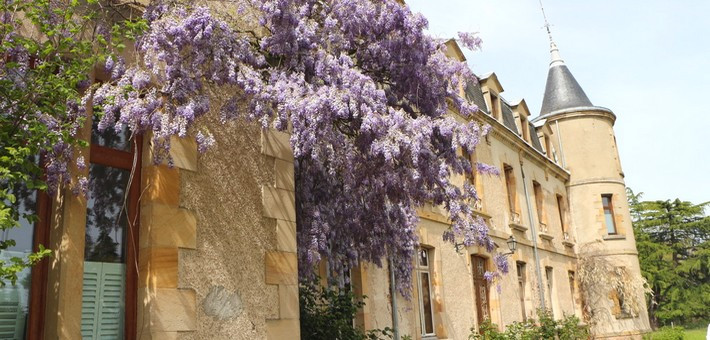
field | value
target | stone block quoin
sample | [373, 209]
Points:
[280, 264]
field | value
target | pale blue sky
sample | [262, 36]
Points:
[648, 61]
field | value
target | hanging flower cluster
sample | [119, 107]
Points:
[363, 91]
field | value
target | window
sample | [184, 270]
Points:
[521, 287]
[561, 212]
[480, 285]
[110, 253]
[426, 312]
[549, 278]
[474, 180]
[510, 187]
[495, 107]
[609, 214]
[539, 202]
[570, 275]
[525, 128]
[22, 304]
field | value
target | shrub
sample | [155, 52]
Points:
[546, 328]
[667, 333]
[327, 313]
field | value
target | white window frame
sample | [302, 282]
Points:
[420, 269]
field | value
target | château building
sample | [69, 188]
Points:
[206, 249]
[560, 195]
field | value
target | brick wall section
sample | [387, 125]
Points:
[281, 265]
[164, 309]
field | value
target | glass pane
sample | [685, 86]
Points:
[423, 257]
[106, 221]
[14, 299]
[110, 138]
[428, 322]
[605, 202]
[609, 218]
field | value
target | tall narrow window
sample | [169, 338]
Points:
[495, 107]
[539, 201]
[480, 285]
[570, 275]
[521, 287]
[21, 303]
[426, 312]
[525, 129]
[510, 188]
[110, 253]
[561, 212]
[609, 214]
[548, 146]
[548, 276]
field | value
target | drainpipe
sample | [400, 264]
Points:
[393, 294]
[559, 141]
[534, 240]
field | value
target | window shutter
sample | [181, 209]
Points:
[102, 309]
[112, 301]
[90, 299]
[11, 317]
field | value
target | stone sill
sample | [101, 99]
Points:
[546, 236]
[614, 237]
[518, 227]
[482, 214]
[568, 243]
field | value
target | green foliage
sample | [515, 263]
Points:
[48, 51]
[547, 327]
[667, 333]
[674, 253]
[327, 313]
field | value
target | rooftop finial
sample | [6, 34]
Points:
[554, 52]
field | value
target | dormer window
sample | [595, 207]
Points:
[495, 107]
[525, 128]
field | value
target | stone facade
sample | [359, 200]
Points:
[215, 243]
[551, 199]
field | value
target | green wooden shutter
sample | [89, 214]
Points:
[90, 299]
[11, 320]
[103, 298]
[111, 313]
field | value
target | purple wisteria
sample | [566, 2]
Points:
[365, 94]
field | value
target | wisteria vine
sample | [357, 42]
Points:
[365, 94]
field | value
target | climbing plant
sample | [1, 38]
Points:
[48, 51]
[365, 94]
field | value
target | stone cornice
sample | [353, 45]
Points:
[583, 112]
[510, 138]
[597, 181]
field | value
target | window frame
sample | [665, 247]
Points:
[539, 202]
[522, 283]
[124, 160]
[610, 209]
[425, 269]
[571, 276]
[479, 281]
[549, 278]
[510, 187]
[39, 274]
[561, 211]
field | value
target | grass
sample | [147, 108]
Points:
[688, 334]
[695, 334]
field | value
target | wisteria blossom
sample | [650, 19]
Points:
[365, 94]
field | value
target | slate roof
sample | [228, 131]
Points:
[533, 137]
[475, 94]
[508, 119]
[562, 91]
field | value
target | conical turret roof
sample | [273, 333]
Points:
[562, 91]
